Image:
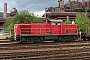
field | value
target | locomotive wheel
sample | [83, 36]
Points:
[32, 39]
[38, 40]
[56, 40]
[65, 39]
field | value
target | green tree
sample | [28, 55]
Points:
[67, 22]
[21, 17]
[38, 20]
[24, 17]
[83, 22]
[9, 24]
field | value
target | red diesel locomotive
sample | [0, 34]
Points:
[51, 30]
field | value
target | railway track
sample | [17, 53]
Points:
[54, 54]
[6, 41]
[51, 54]
[46, 51]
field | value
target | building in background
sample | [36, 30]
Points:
[68, 10]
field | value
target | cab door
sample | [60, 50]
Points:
[55, 28]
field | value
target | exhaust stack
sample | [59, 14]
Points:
[83, 1]
[69, 0]
[5, 10]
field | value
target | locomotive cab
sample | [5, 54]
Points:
[53, 21]
[56, 22]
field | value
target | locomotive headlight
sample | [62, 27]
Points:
[15, 26]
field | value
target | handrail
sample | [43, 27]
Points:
[71, 30]
[34, 30]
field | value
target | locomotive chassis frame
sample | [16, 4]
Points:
[35, 38]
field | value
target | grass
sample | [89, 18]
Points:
[6, 35]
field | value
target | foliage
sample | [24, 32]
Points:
[67, 22]
[22, 17]
[83, 22]
[9, 23]
[38, 20]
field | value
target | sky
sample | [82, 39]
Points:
[36, 6]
